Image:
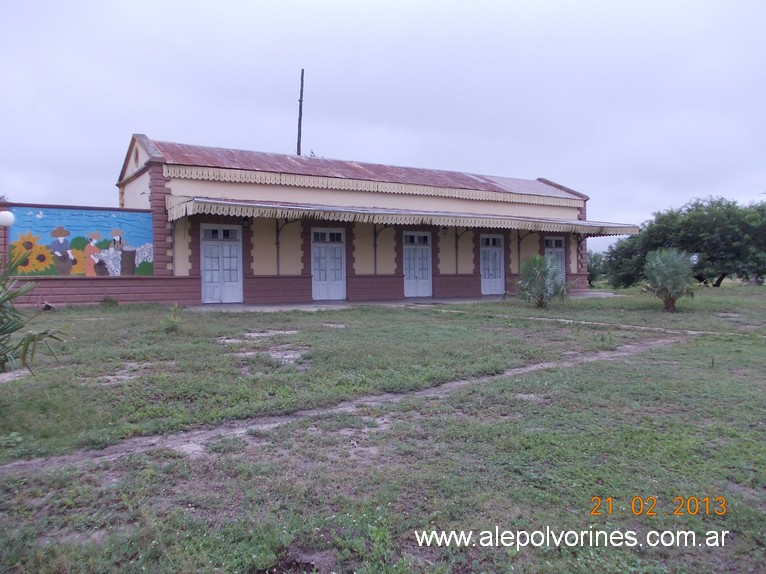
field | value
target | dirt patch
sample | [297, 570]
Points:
[287, 354]
[129, 371]
[631, 327]
[269, 333]
[728, 315]
[298, 560]
[230, 341]
[335, 325]
[13, 375]
[254, 335]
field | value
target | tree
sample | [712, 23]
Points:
[595, 267]
[669, 276]
[723, 238]
[624, 261]
[540, 281]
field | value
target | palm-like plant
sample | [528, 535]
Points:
[668, 274]
[540, 281]
[13, 348]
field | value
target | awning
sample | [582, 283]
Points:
[182, 206]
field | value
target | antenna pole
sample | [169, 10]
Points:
[300, 114]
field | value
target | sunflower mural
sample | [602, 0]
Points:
[38, 259]
[78, 262]
[78, 242]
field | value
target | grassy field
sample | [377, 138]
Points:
[323, 441]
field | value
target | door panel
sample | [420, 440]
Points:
[417, 265]
[211, 269]
[231, 284]
[492, 271]
[554, 248]
[328, 257]
[221, 264]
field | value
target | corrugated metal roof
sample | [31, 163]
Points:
[202, 156]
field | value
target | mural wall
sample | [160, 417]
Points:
[82, 242]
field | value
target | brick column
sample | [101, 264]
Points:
[161, 228]
[582, 254]
[306, 270]
[3, 239]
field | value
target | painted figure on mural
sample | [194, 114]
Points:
[116, 240]
[91, 253]
[61, 250]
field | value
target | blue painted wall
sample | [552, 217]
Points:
[93, 242]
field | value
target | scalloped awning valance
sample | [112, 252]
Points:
[183, 206]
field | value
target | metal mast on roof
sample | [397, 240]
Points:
[300, 114]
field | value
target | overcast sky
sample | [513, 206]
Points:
[642, 105]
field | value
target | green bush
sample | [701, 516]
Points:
[540, 281]
[668, 275]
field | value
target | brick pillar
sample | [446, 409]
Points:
[3, 243]
[582, 255]
[306, 270]
[161, 228]
[350, 249]
[195, 247]
[4, 234]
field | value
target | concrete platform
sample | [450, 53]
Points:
[331, 305]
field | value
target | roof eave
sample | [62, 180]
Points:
[155, 155]
[182, 206]
[563, 188]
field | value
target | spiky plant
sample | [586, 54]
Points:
[15, 348]
[668, 274]
[540, 281]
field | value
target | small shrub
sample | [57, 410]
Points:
[172, 323]
[668, 275]
[540, 281]
[109, 302]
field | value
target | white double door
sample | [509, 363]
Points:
[221, 263]
[492, 271]
[554, 248]
[417, 264]
[328, 264]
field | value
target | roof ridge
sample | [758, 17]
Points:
[350, 161]
[260, 161]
